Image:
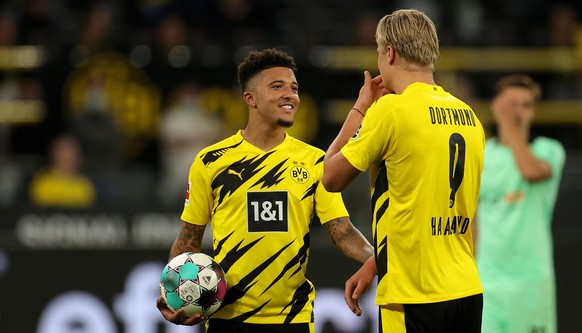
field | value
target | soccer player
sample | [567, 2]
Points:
[514, 241]
[424, 148]
[259, 189]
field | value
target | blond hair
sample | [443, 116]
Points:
[413, 35]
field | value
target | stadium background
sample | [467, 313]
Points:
[61, 62]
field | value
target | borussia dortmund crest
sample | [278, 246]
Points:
[299, 173]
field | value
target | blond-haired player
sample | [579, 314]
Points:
[424, 148]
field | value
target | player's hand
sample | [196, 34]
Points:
[505, 110]
[371, 90]
[358, 284]
[177, 317]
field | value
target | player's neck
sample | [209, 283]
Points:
[406, 78]
[264, 137]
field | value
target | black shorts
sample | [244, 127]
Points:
[461, 315]
[231, 326]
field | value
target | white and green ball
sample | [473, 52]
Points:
[193, 282]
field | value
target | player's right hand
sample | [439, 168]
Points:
[177, 317]
[371, 91]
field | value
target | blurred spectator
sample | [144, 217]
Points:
[469, 22]
[95, 31]
[100, 139]
[61, 184]
[564, 30]
[36, 26]
[186, 128]
[8, 27]
[94, 34]
[170, 42]
[563, 26]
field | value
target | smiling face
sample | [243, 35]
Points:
[274, 96]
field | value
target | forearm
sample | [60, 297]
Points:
[189, 239]
[338, 172]
[370, 265]
[349, 128]
[528, 164]
[349, 240]
[357, 248]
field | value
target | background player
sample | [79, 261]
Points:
[259, 189]
[520, 180]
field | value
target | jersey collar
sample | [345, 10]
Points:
[421, 86]
[288, 139]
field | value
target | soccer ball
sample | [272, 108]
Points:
[193, 282]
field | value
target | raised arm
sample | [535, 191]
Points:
[505, 109]
[338, 172]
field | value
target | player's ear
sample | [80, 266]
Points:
[391, 54]
[249, 99]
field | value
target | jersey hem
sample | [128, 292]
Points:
[415, 300]
[306, 319]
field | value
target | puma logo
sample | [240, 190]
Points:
[239, 174]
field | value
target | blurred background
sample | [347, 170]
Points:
[103, 105]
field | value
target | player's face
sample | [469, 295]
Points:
[523, 104]
[276, 95]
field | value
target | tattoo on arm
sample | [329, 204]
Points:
[349, 240]
[189, 239]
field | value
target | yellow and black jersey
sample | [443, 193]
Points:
[260, 206]
[425, 150]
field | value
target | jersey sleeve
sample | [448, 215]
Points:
[199, 199]
[328, 205]
[369, 144]
[551, 152]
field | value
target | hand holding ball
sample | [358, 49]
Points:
[193, 282]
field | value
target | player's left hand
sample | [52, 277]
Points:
[177, 317]
[358, 284]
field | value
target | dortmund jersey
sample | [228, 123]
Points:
[260, 206]
[514, 216]
[424, 148]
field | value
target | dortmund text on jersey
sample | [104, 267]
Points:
[424, 149]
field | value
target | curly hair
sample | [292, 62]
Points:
[257, 61]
